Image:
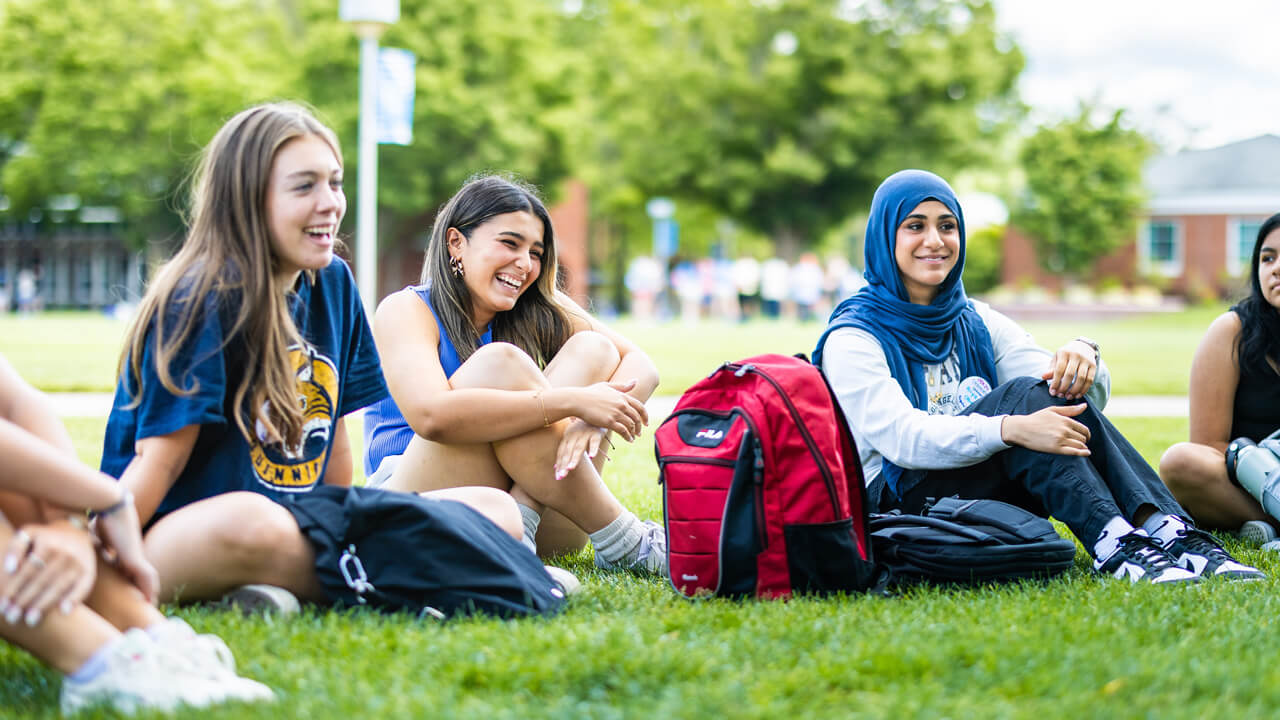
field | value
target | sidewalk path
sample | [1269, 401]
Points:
[99, 405]
[1122, 406]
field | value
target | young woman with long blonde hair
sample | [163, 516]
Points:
[249, 347]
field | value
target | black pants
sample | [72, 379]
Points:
[1083, 492]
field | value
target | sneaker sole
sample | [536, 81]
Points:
[1257, 532]
[262, 599]
[1241, 576]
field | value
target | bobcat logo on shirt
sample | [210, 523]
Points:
[297, 469]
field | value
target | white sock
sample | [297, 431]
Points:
[96, 663]
[1164, 527]
[530, 518]
[619, 539]
[1109, 541]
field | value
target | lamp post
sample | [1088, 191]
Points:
[369, 18]
[665, 238]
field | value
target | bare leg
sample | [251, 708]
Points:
[494, 504]
[65, 642]
[1197, 476]
[112, 597]
[210, 547]
[524, 464]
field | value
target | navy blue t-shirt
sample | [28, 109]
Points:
[338, 372]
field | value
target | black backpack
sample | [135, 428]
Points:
[968, 541]
[396, 551]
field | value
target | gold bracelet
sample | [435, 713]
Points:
[545, 422]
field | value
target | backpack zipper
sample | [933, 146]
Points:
[691, 460]
[739, 371]
[757, 476]
[757, 470]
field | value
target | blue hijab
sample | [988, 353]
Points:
[912, 335]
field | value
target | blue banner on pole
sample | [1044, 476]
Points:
[666, 237]
[395, 96]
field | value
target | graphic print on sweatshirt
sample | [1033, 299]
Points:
[299, 468]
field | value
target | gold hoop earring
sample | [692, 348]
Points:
[455, 265]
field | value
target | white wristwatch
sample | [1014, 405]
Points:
[1097, 351]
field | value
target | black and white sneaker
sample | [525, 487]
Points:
[1197, 551]
[1140, 558]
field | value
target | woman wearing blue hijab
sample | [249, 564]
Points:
[946, 396]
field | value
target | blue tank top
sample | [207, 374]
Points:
[385, 430]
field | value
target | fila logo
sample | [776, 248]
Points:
[710, 433]
[689, 578]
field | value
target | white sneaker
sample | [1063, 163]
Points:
[651, 555]
[568, 582]
[140, 675]
[267, 599]
[208, 657]
[1257, 532]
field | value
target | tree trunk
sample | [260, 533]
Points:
[788, 242]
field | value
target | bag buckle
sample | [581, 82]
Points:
[353, 573]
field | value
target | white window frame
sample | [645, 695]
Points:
[1236, 266]
[1166, 268]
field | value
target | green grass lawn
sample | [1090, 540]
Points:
[1148, 354]
[63, 351]
[628, 647]
[625, 647]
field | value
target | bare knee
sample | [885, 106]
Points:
[594, 351]
[501, 508]
[20, 509]
[1181, 465]
[243, 530]
[501, 366]
[495, 504]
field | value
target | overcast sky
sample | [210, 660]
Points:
[1192, 73]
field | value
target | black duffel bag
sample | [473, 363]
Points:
[395, 551]
[968, 541]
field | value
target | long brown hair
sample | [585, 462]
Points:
[226, 260]
[538, 324]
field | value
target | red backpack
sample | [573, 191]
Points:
[762, 485]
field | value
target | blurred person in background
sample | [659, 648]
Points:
[746, 278]
[806, 286]
[775, 286]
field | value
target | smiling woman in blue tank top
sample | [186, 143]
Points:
[499, 379]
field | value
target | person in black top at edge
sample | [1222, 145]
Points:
[1235, 392]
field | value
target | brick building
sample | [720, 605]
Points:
[1197, 232]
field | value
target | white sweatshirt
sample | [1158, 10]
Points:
[884, 422]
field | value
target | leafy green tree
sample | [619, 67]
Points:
[491, 95]
[111, 100]
[982, 259]
[785, 114]
[1084, 189]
